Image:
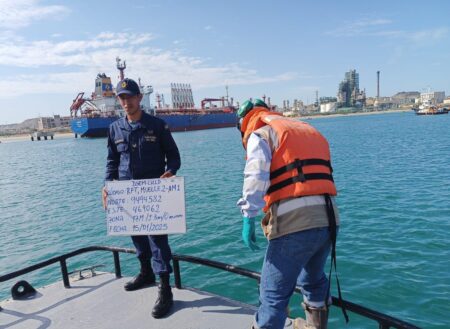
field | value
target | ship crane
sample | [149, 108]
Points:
[83, 105]
[76, 104]
[211, 100]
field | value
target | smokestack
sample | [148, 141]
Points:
[378, 84]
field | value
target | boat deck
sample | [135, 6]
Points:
[101, 302]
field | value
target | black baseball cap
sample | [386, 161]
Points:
[127, 86]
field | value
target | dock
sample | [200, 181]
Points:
[38, 135]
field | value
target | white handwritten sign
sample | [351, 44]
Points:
[146, 206]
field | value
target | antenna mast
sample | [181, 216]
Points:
[121, 66]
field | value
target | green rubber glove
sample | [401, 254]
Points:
[248, 232]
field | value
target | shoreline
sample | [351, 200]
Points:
[27, 137]
[24, 137]
[334, 115]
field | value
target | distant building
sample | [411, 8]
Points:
[405, 97]
[311, 108]
[349, 94]
[298, 106]
[56, 122]
[324, 100]
[328, 107]
[370, 101]
[384, 103]
[328, 104]
[286, 106]
[432, 98]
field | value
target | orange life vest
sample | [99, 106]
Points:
[301, 162]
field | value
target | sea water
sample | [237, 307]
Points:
[392, 172]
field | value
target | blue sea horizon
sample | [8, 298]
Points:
[392, 175]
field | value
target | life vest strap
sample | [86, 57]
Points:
[300, 178]
[298, 164]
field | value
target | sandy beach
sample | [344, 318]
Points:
[27, 137]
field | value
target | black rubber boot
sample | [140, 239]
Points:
[164, 301]
[145, 277]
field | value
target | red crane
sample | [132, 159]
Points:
[76, 104]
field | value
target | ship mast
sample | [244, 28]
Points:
[121, 66]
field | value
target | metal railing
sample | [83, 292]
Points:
[384, 321]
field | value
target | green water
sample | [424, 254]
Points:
[391, 170]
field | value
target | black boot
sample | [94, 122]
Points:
[145, 277]
[164, 301]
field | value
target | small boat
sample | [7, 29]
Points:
[428, 108]
[93, 299]
[432, 110]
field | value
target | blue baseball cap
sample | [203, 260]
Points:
[127, 86]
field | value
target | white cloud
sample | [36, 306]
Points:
[377, 28]
[19, 53]
[372, 22]
[85, 58]
[360, 27]
[45, 84]
[19, 13]
[429, 35]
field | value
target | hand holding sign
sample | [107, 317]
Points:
[167, 174]
[104, 197]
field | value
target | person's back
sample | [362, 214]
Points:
[288, 173]
[290, 213]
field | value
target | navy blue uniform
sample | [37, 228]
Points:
[143, 151]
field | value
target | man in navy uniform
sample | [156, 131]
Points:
[140, 146]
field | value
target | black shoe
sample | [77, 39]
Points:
[163, 303]
[140, 281]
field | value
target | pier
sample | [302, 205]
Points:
[38, 135]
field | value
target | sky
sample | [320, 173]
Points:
[52, 50]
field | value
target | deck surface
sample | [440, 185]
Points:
[100, 302]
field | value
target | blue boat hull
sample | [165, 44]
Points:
[98, 127]
[91, 127]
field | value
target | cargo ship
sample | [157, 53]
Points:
[91, 116]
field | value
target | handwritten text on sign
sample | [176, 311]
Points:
[146, 206]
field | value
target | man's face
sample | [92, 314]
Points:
[130, 104]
